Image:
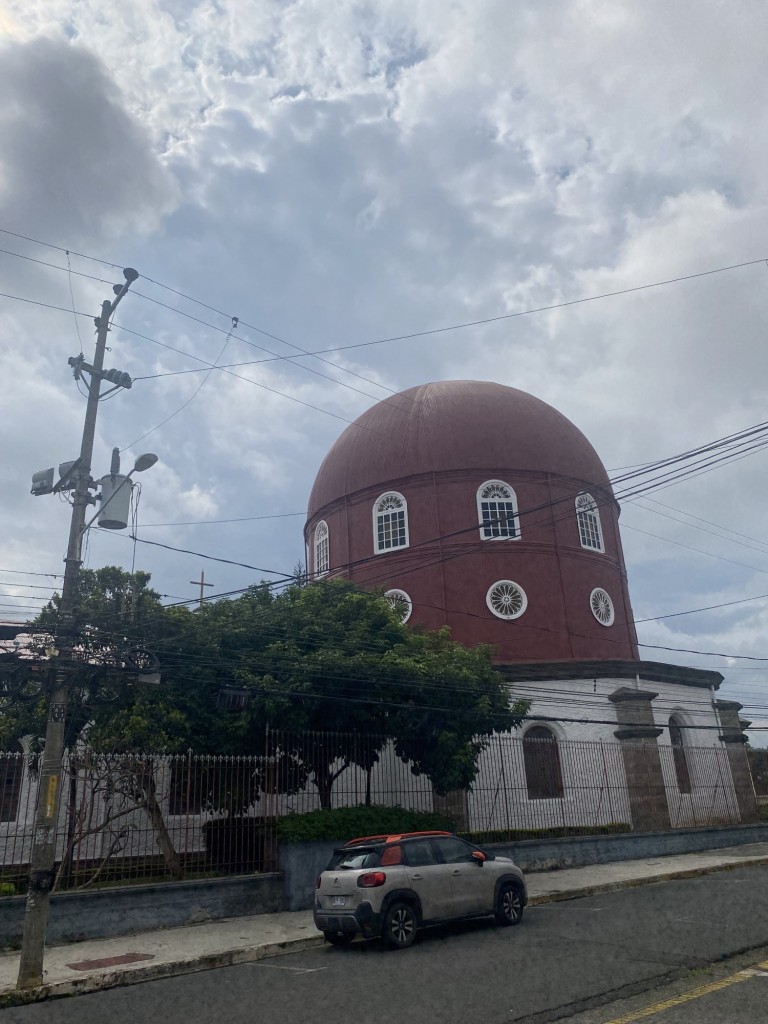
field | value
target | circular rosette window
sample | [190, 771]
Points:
[506, 599]
[602, 606]
[400, 603]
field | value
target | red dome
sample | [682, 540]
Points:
[453, 425]
[433, 450]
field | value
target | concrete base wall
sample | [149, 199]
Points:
[122, 911]
[301, 863]
[547, 854]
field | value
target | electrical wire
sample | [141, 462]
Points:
[505, 316]
[708, 608]
[194, 395]
[529, 628]
[26, 572]
[217, 663]
[348, 565]
[214, 522]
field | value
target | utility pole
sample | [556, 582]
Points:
[44, 840]
[201, 583]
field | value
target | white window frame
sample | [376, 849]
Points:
[600, 598]
[406, 604]
[588, 523]
[507, 616]
[322, 549]
[513, 522]
[379, 513]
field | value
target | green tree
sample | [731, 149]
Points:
[109, 711]
[116, 613]
[323, 663]
[332, 661]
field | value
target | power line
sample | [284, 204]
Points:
[416, 334]
[213, 327]
[213, 522]
[547, 629]
[212, 558]
[26, 586]
[217, 663]
[708, 608]
[194, 395]
[688, 547]
[430, 541]
[26, 572]
[504, 316]
[45, 305]
[718, 526]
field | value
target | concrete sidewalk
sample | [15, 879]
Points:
[104, 963]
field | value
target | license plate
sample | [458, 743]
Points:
[339, 901]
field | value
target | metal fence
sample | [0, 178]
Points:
[575, 787]
[134, 818]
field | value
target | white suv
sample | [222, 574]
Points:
[390, 886]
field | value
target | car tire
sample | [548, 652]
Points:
[509, 904]
[339, 938]
[400, 925]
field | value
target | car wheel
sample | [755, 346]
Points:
[339, 938]
[400, 925]
[509, 904]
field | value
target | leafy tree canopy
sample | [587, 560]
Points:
[323, 657]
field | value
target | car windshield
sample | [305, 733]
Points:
[353, 860]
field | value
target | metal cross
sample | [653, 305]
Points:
[201, 583]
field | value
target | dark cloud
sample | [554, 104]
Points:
[73, 162]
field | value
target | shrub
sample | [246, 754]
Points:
[345, 823]
[516, 835]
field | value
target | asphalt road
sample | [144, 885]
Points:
[579, 958]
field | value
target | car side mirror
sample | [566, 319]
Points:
[479, 857]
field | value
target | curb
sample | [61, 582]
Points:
[250, 954]
[559, 896]
[154, 972]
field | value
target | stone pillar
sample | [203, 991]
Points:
[642, 762]
[734, 739]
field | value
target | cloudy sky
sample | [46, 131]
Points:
[334, 174]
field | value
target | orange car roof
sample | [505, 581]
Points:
[393, 837]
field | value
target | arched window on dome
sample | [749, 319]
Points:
[541, 757]
[588, 518]
[497, 511]
[390, 522]
[678, 754]
[322, 549]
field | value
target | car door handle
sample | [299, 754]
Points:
[456, 871]
[417, 878]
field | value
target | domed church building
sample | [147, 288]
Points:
[480, 507]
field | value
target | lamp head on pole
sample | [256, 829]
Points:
[145, 461]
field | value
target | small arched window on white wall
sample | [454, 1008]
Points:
[390, 522]
[497, 511]
[541, 758]
[588, 518]
[322, 549]
[677, 740]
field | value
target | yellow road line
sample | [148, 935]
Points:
[686, 997]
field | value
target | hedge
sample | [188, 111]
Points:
[345, 823]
